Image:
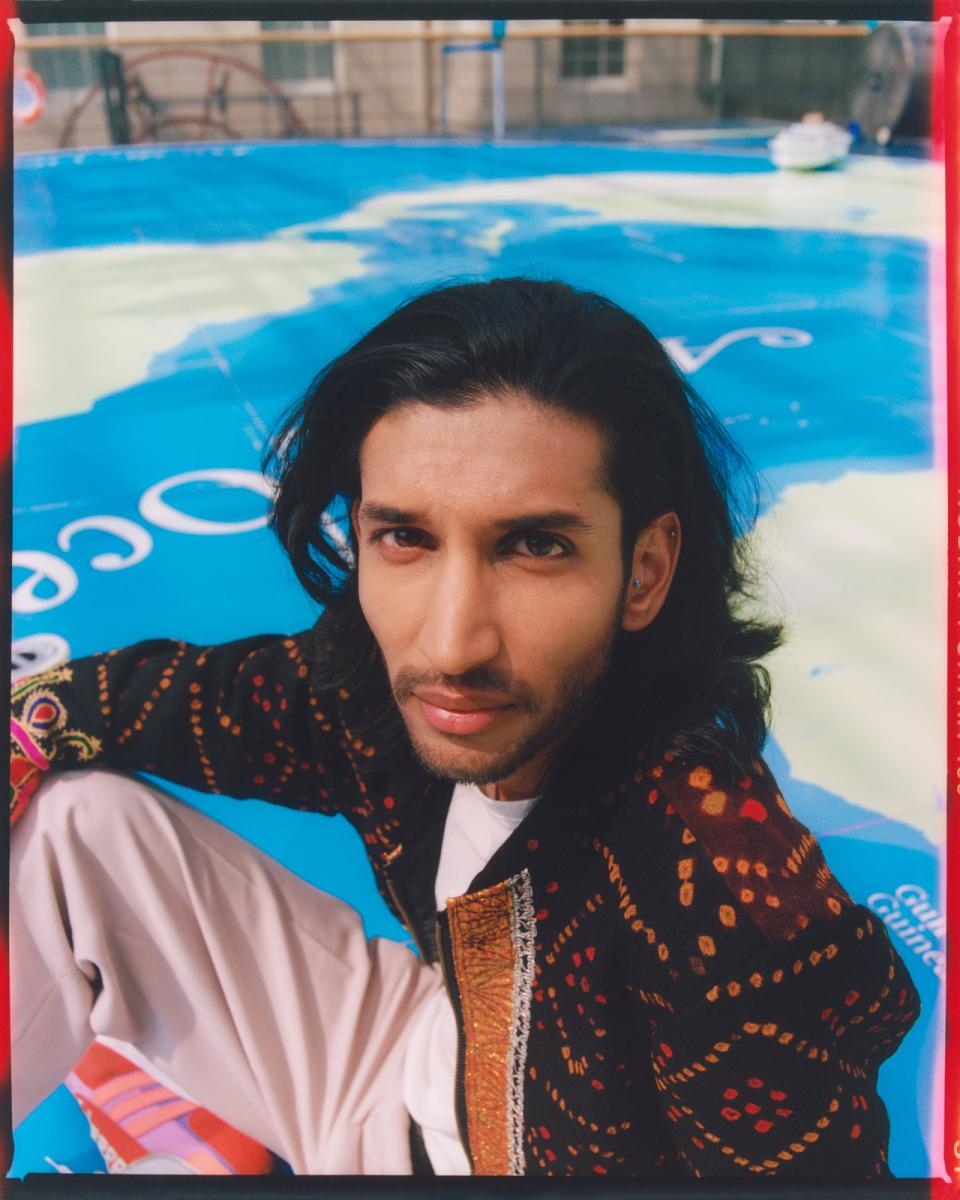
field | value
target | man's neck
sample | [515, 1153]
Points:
[500, 791]
[523, 783]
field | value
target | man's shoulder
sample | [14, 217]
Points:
[738, 827]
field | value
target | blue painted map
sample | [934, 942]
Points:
[172, 302]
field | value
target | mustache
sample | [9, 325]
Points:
[478, 679]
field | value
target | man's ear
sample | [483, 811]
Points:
[655, 556]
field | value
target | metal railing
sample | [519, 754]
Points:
[207, 83]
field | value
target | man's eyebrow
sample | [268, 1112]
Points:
[556, 518]
[369, 510]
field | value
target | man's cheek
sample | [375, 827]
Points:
[371, 605]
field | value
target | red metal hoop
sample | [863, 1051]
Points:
[293, 124]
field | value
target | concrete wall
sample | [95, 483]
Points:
[383, 84]
[659, 83]
[392, 88]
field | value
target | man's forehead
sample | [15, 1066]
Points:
[501, 453]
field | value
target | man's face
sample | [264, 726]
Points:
[490, 573]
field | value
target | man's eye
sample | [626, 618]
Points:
[541, 545]
[398, 539]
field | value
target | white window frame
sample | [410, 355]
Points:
[600, 83]
[66, 96]
[306, 88]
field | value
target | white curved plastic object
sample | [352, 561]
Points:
[810, 145]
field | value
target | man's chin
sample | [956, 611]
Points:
[462, 765]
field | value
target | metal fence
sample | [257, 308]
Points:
[403, 79]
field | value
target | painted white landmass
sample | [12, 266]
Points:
[90, 321]
[493, 239]
[859, 688]
[115, 308]
[869, 196]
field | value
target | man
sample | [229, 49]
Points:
[536, 694]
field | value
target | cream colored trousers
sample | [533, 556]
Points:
[135, 917]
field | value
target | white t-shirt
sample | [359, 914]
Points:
[476, 828]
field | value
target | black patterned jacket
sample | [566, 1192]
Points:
[660, 980]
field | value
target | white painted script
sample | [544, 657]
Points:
[909, 914]
[53, 581]
[776, 337]
[155, 509]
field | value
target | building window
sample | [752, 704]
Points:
[592, 57]
[70, 68]
[297, 60]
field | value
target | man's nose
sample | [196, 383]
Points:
[460, 628]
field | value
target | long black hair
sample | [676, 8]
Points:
[690, 682]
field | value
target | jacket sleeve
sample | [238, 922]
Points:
[239, 719]
[773, 1071]
[766, 1060]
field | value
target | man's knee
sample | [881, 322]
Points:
[86, 805]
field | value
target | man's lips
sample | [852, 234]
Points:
[453, 713]
[461, 702]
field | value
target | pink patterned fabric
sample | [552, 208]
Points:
[135, 1120]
